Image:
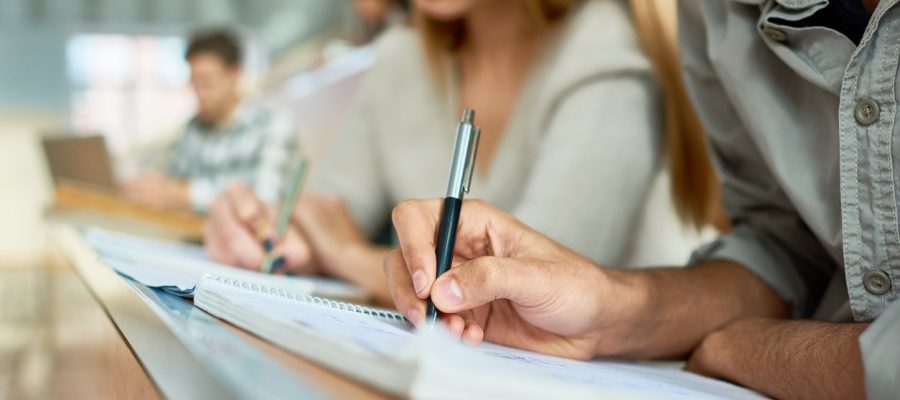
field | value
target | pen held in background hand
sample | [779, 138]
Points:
[283, 219]
[461, 169]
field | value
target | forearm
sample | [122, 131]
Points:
[680, 306]
[786, 359]
[361, 264]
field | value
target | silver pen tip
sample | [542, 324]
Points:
[468, 115]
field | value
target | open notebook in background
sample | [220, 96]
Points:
[176, 267]
[380, 348]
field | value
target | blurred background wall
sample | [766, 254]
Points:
[34, 33]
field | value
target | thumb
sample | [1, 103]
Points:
[485, 279]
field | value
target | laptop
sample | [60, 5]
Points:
[83, 160]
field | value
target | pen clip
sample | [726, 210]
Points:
[470, 159]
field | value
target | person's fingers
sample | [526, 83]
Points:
[473, 334]
[455, 325]
[212, 243]
[402, 291]
[296, 252]
[486, 279]
[416, 223]
[250, 210]
[462, 328]
[237, 245]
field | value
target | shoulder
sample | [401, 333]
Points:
[597, 40]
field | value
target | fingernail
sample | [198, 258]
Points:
[419, 281]
[414, 316]
[277, 264]
[268, 245]
[449, 292]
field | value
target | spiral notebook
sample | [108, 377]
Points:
[380, 348]
[176, 267]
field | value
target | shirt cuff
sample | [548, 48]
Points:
[202, 194]
[880, 348]
[764, 258]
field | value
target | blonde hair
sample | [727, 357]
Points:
[694, 187]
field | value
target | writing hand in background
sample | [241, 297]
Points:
[237, 224]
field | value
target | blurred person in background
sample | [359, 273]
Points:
[574, 131]
[227, 141]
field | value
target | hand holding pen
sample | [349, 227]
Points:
[270, 261]
[462, 165]
[238, 227]
[511, 284]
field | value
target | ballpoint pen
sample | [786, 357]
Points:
[461, 168]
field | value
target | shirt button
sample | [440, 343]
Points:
[775, 34]
[876, 282]
[866, 111]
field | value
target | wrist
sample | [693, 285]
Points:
[342, 259]
[691, 301]
[361, 264]
[625, 309]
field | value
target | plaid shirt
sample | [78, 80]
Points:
[255, 147]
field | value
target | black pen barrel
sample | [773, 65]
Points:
[446, 238]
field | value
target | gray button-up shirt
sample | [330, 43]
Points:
[802, 125]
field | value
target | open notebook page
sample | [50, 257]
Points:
[588, 379]
[348, 328]
[443, 367]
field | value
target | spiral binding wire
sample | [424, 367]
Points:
[333, 304]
